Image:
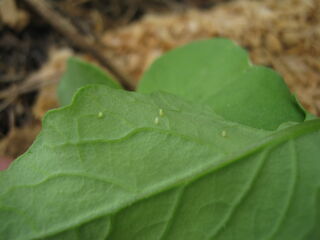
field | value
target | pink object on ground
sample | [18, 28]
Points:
[5, 162]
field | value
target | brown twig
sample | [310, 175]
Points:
[61, 24]
[33, 83]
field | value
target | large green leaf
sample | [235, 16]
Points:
[218, 73]
[78, 74]
[118, 165]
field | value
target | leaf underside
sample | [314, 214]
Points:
[190, 174]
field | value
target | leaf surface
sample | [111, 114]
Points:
[78, 74]
[103, 168]
[219, 73]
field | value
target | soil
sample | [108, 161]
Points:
[284, 35]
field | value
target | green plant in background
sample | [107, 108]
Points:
[80, 73]
[223, 151]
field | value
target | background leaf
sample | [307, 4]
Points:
[218, 73]
[103, 168]
[78, 74]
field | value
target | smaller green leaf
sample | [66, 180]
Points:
[218, 73]
[80, 73]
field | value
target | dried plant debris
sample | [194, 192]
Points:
[19, 140]
[282, 34]
[12, 15]
[21, 121]
[22, 52]
[50, 73]
[96, 16]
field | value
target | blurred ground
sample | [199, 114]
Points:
[282, 34]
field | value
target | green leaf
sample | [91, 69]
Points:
[78, 74]
[218, 73]
[114, 166]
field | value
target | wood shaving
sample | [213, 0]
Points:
[11, 15]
